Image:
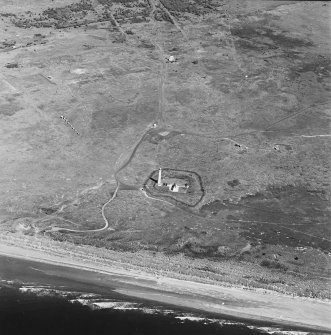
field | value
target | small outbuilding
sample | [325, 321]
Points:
[173, 184]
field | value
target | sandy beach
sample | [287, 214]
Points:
[170, 150]
[257, 304]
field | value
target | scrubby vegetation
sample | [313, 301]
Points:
[244, 106]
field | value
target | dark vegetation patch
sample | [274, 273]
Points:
[59, 17]
[216, 206]
[315, 120]
[124, 2]
[250, 45]
[195, 249]
[105, 2]
[178, 5]
[39, 36]
[233, 183]
[47, 210]
[83, 13]
[161, 15]
[320, 66]
[199, 244]
[7, 15]
[126, 11]
[65, 13]
[103, 119]
[9, 109]
[7, 44]
[131, 15]
[287, 215]
[291, 216]
[273, 264]
[146, 44]
[12, 65]
[196, 7]
[257, 36]
[120, 38]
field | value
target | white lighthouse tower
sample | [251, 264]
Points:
[159, 180]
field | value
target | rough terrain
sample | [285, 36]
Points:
[90, 107]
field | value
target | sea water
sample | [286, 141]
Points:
[37, 298]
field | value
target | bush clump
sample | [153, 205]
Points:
[273, 264]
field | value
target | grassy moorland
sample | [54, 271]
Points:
[245, 106]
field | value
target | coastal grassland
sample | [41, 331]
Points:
[45, 164]
[245, 106]
[225, 273]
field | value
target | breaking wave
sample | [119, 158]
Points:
[99, 302]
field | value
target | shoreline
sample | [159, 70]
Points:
[255, 305]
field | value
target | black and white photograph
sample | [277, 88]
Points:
[165, 167]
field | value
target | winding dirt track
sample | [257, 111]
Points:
[125, 162]
[159, 120]
[128, 156]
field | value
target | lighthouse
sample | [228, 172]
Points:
[159, 180]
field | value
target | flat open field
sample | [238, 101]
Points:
[90, 106]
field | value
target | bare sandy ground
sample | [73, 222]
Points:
[233, 301]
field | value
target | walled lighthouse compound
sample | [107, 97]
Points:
[173, 184]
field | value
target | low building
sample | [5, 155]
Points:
[173, 184]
